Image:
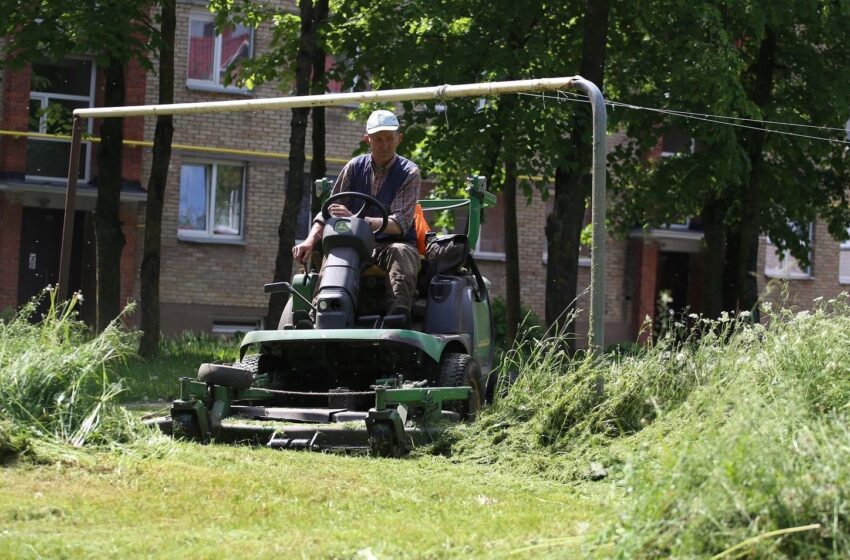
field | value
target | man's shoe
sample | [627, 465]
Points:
[403, 315]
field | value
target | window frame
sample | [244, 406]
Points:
[489, 255]
[783, 272]
[214, 84]
[208, 235]
[43, 98]
[843, 247]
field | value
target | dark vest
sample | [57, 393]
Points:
[361, 171]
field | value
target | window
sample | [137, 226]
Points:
[844, 262]
[676, 142]
[491, 239]
[780, 264]
[211, 55]
[211, 202]
[231, 327]
[57, 88]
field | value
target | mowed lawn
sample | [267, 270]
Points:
[238, 502]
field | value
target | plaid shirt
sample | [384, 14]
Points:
[403, 206]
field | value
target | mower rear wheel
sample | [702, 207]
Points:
[233, 376]
[458, 370]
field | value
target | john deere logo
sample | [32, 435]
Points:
[342, 227]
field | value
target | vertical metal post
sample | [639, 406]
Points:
[596, 334]
[70, 207]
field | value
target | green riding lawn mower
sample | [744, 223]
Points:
[340, 373]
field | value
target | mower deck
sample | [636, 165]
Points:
[311, 429]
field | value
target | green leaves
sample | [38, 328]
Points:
[111, 29]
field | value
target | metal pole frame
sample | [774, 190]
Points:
[442, 93]
[62, 288]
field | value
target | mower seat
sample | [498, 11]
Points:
[445, 254]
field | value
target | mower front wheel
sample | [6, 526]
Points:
[382, 441]
[458, 370]
[225, 376]
[184, 426]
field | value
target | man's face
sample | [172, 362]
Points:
[383, 145]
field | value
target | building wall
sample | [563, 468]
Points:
[800, 293]
[14, 115]
[13, 151]
[10, 239]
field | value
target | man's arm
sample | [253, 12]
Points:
[302, 251]
[403, 207]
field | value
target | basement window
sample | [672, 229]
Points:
[229, 327]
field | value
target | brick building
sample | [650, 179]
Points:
[225, 195]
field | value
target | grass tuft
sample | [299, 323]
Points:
[55, 390]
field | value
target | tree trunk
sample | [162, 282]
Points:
[730, 268]
[753, 140]
[512, 281]
[563, 234]
[295, 178]
[573, 184]
[318, 165]
[713, 220]
[108, 235]
[149, 275]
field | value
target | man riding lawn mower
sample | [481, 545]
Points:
[341, 356]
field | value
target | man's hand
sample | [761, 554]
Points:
[339, 211]
[302, 251]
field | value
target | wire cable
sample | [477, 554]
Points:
[715, 119]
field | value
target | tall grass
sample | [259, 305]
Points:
[55, 389]
[725, 434]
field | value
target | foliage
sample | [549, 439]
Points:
[426, 43]
[749, 60]
[276, 64]
[736, 431]
[108, 30]
[55, 389]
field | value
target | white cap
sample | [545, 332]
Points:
[381, 120]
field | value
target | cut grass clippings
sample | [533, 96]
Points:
[717, 434]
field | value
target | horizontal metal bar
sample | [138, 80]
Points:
[327, 100]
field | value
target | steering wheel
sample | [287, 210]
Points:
[367, 202]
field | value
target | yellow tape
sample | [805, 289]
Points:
[186, 147]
